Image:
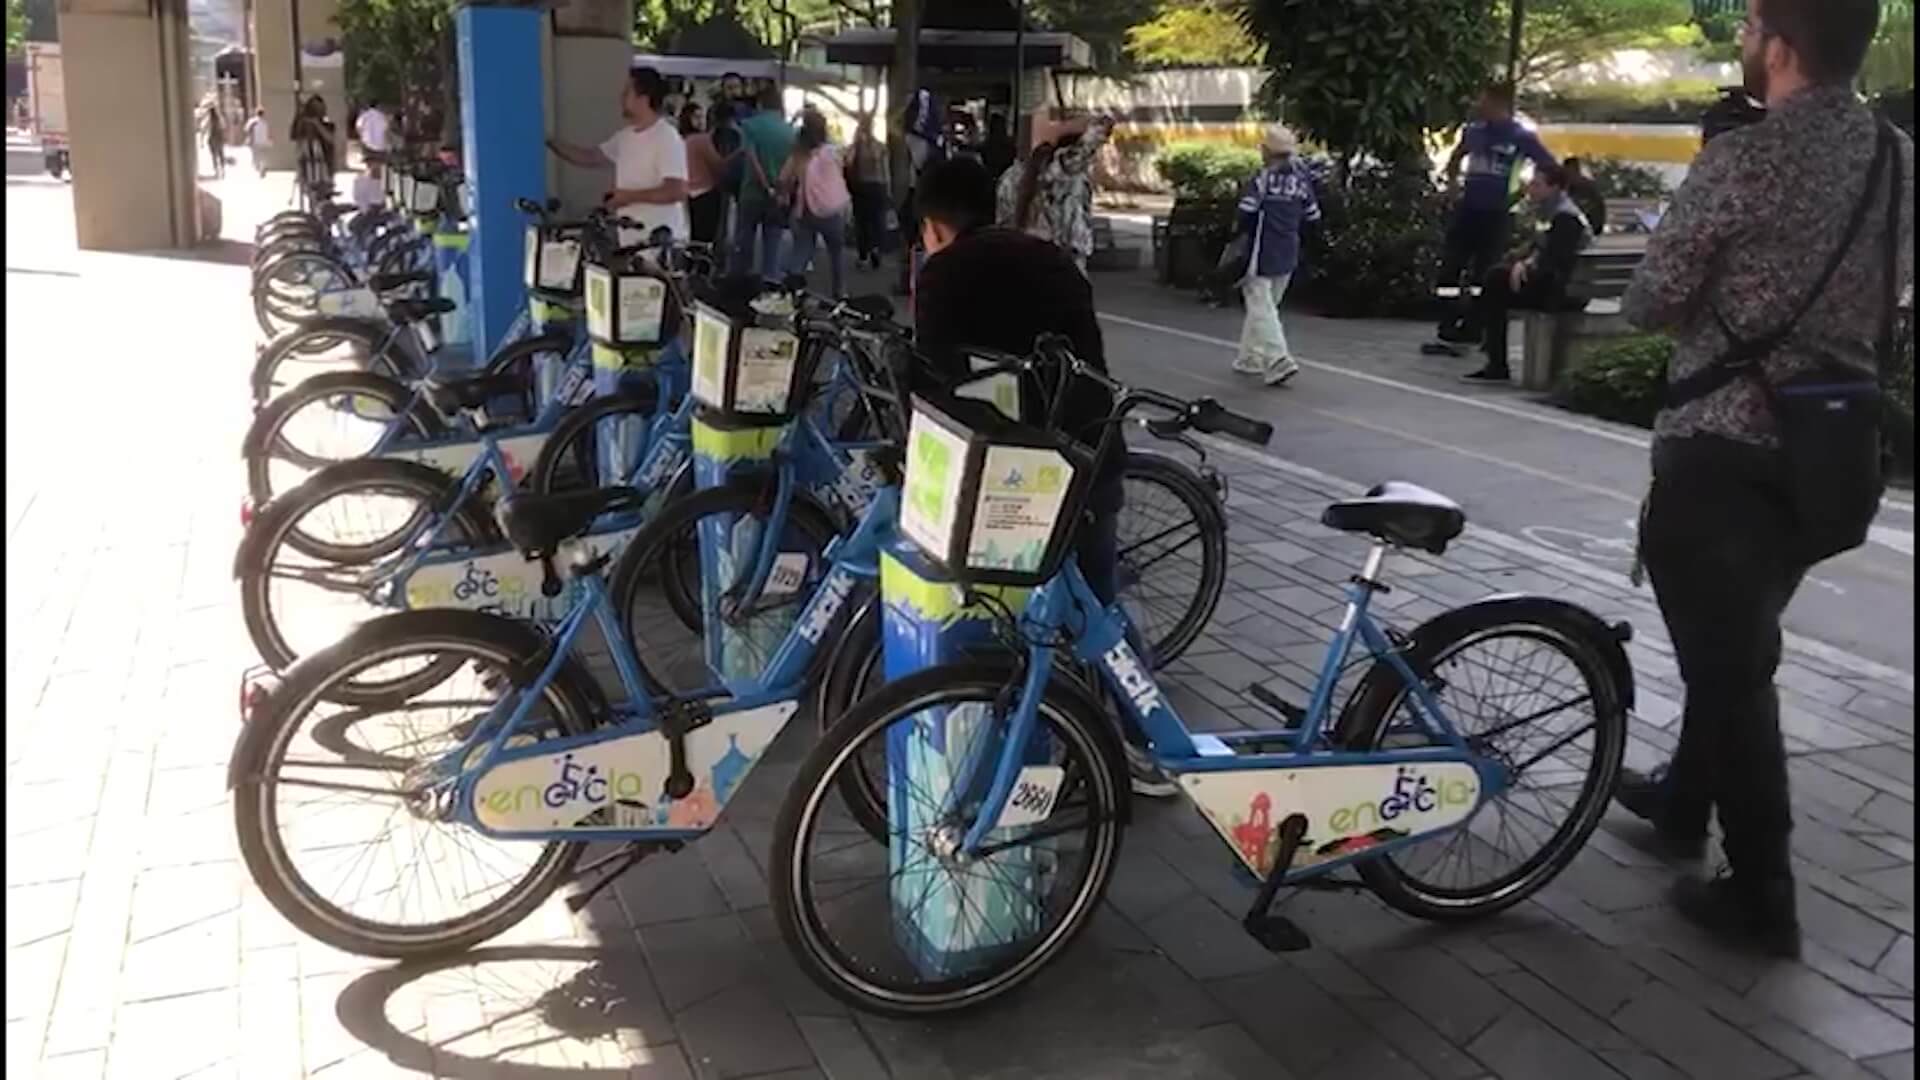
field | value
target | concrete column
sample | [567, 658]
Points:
[130, 122]
[592, 50]
[287, 78]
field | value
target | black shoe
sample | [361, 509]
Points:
[1459, 335]
[1488, 374]
[1760, 917]
[1648, 796]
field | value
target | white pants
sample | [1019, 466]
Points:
[1262, 340]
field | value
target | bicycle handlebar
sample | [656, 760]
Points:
[1203, 414]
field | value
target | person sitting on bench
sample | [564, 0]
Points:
[1539, 281]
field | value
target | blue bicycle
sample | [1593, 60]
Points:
[1463, 771]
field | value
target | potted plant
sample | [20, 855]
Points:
[1206, 180]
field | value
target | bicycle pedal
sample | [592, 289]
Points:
[1294, 714]
[1277, 933]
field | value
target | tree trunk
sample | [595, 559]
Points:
[903, 78]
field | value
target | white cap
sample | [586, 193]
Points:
[1280, 140]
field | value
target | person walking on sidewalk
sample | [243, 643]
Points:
[762, 218]
[259, 139]
[214, 130]
[1491, 147]
[1537, 282]
[1775, 272]
[1275, 205]
[820, 200]
[868, 183]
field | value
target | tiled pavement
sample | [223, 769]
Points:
[136, 947]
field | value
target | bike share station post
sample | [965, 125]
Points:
[986, 505]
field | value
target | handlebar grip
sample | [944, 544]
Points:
[1214, 419]
[529, 207]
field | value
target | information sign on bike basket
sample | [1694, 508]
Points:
[552, 262]
[744, 363]
[990, 501]
[424, 198]
[629, 308]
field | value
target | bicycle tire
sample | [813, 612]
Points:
[1368, 720]
[263, 438]
[549, 473]
[672, 529]
[517, 648]
[268, 274]
[1066, 714]
[384, 352]
[253, 563]
[1208, 519]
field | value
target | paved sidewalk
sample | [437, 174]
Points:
[138, 949]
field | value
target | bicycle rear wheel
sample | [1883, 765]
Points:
[332, 417]
[1528, 687]
[344, 826]
[838, 893]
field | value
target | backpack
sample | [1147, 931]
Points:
[1829, 416]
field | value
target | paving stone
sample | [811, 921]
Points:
[1893, 1066]
[1688, 1036]
[740, 1032]
[841, 1049]
[1456, 1001]
[1822, 1008]
[1204, 941]
[1561, 1011]
[1518, 1046]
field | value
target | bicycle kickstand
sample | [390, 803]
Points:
[1274, 931]
[616, 862]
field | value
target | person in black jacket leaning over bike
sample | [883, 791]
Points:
[1539, 281]
[1001, 289]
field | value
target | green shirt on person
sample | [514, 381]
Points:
[769, 138]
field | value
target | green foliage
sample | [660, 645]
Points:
[398, 54]
[1377, 248]
[1207, 172]
[16, 26]
[1373, 77]
[1618, 179]
[1621, 380]
[1889, 64]
[1670, 101]
[1102, 24]
[1184, 33]
[1562, 34]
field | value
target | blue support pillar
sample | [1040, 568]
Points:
[501, 96]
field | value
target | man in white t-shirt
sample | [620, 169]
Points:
[648, 157]
[372, 126]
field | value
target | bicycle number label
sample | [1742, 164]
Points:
[788, 574]
[1032, 799]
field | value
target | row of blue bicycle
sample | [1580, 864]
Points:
[573, 591]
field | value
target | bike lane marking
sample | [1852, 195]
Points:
[1623, 438]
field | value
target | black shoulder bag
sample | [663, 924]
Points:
[1828, 417]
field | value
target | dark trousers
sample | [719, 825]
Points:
[1476, 240]
[869, 219]
[704, 214]
[1487, 316]
[1715, 545]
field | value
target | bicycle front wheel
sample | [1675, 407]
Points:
[902, 925]
[1173, 553]
[1528, 687]
[343, 821]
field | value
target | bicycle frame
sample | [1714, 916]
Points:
[492, 789]
[1068, 603]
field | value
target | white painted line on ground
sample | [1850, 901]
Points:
[1903, 545]
[1819, 650]
[1611, 435]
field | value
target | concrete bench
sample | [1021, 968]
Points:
[1553, 341]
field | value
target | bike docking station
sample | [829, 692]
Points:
[633, 322]
[987, 514]
[747, 386]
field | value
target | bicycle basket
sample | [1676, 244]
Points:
[552, 262]
[424, 198]
[745, 361]
[990, 501]
[628, 308]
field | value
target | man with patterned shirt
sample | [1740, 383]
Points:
[1763, 210]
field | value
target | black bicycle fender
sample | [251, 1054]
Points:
[1609, 638]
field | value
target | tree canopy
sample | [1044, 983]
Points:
[1563, 34]
[1186, 33]
[1373, 77]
